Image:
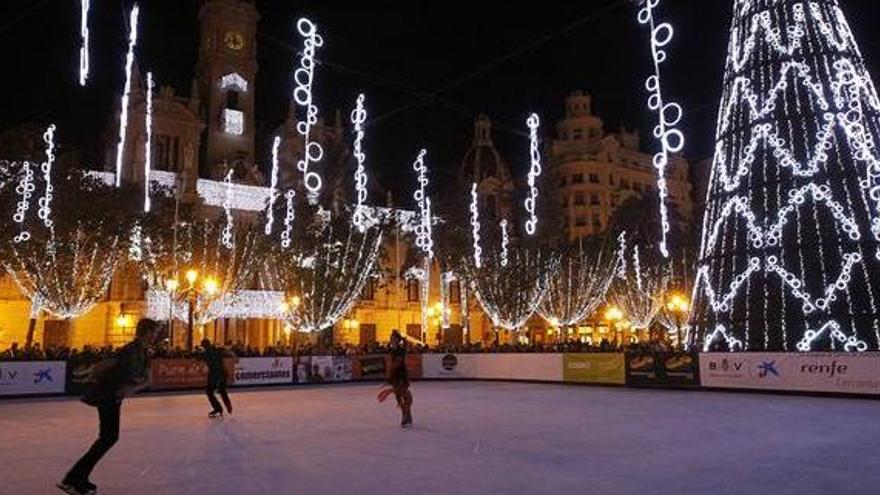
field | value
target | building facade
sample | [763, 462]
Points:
[594, 172]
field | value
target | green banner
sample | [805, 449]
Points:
[593, 368]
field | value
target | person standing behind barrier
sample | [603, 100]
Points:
[113, 379]
[213, 357]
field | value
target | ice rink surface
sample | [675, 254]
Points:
[469, 438]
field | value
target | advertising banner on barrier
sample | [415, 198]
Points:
[662, 369]
[32, 377]
[853, 373]
[593, 368]
[263, 371]
[184, 373]
[368, 367]
[449, 365]
[538, 367]
[330, 369]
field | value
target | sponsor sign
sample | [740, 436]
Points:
[593, 368]
[183, 373]
[368, 367]
[263, 371]
[853, 373]
[449, 365]
[32, 377]
[330, 369]
[413, 365]
[665, 369]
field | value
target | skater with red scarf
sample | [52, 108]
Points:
[398, 379]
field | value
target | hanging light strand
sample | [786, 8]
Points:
[44, 213]
[358, 117]
[126, 92]
[273, 187]
[85, 5]
[668, 114]
[535, 153]
[475, 226]
[302, 95]
[148, 146]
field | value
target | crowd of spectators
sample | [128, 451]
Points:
[92, 353]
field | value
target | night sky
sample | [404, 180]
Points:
[502, 58]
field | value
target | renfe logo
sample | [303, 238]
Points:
[830, 370]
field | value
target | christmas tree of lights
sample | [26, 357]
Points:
[789, 258]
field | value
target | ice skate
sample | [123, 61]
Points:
[76, 487]
[215, 414]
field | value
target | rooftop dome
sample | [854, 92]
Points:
[482, 160]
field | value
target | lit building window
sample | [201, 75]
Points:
[233, 121]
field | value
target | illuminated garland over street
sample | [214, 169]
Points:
[126, 92]
[510, 295]
[668, 114]
[304, 77]
[327, 273]
[579, 286]
[358, 117]
[148, 146]
[531, 202]
[789, 250]
[639, 292]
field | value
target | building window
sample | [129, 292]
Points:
[624, 184]
[577, 134]
[166, 152]
[579, 199]
[232, 100]
[562, 182]
[412, 290]
[594, 178]
[580, 221]
[454, 291]
[594, 198]
[637, 186]
[233, 122]
[597, 223]
[369, 293]
[611, 179]
[577, 179]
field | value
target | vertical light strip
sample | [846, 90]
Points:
[84, 49]
[505, 239]
[273, 187]
[123, 115]
[475, 226]
[358, 117]
[535, 153]
[668, 114]
[148, 147]
[304, 76]
[45, 211]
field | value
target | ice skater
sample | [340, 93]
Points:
[216, 379]
[113, 379]
[398, 379]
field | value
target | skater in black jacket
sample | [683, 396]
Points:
[398, 379]
[213, 357]
[113, 379]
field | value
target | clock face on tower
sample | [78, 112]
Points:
[234, 40]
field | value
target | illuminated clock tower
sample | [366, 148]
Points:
[226, 72]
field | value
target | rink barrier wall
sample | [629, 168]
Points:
[843, 374]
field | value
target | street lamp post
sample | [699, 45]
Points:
[678, 305]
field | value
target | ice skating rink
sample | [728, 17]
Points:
[469, 438]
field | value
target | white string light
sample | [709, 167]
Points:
[505, 239]
[424, 240]
[24, 189]
[358, 117]
[475, 226]
[288, 219]
[668, 114]
[535, 154]
[148, 147]
[44, 213]
[126, 92]
[84, 49]
[227, 238]
[798, 135]
[302, 94]
[273, 187]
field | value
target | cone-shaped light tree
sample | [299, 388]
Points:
[789, 252]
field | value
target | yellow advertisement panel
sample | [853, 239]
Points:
[593, 368]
